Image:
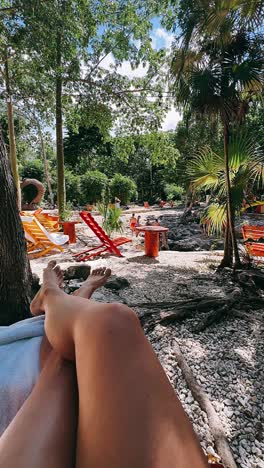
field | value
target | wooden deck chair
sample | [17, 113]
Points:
[38, 238]
[107, 245]
[46, 221]
[251, 234]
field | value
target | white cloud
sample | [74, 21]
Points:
[167, 37]
[171, 120]
[108, 62]
[125, 69]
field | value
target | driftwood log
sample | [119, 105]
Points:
[221, 442]
[216, 309]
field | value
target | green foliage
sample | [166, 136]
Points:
[93, 183]
[73, 189]
[124, 188]
[111, 218]
[207, 172]
[32, 170]
[87, 149]
[173, 192]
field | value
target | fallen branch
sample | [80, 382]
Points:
[245, 316]
[214, 316]
[156, 305]
[202, 398]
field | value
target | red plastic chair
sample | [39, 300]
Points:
[107, 244]
[251, 234]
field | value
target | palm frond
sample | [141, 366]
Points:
[205, 168]
[215, 218]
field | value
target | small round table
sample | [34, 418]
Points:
[151, 239]
[69, 229]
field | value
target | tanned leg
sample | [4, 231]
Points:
[95, 280]
[129, 415]
[43, 433]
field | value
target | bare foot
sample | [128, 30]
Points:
[52, 278]
[96, 280]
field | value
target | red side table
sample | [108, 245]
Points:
[69, 229]
[151, 239]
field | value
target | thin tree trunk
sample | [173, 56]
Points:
[230, 214]
[45, 163]
[59, 133]
[151, 180]
[15, 273]
[228, 250]
[11, 133]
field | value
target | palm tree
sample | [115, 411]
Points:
[207, 172]
[220, 79]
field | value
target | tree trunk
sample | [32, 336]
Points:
[15, 272]
[151, 180]
[230, 211]
[45, 163]
[11, 133]
[228, 248]
[59, 134]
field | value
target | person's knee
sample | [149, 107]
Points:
[111, 320]
[119, 316]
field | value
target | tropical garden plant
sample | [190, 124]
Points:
[111, 218]
[124, 188]
[218, 72]
[207, 172]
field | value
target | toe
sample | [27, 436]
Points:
[108, 272]
[57, 269]
[52, 264]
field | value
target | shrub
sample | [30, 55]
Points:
[73, 189]
[173, 192]
[111, 218]
[32, 170]
[124, 188]
[93, 183]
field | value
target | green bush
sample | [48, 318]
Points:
[93, 183]
[124, 188]
[73, 189]
[32, 170]
[173, 192]
[111, 218]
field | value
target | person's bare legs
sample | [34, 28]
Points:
[43, 433]
[129, 415]
[95, 280]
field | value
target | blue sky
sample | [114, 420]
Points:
[160, 39]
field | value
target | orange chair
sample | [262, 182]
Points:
[39, 240]
[49, 222]
[251, 234]
[107, 245]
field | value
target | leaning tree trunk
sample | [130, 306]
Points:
[15, 272]
[45, 163]
[230, 212]
[59, 133]
[11, 134]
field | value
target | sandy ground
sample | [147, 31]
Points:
[133, 254]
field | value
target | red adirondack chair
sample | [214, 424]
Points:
[107, 244]
[251, 234]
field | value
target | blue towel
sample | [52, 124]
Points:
[19, 365]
